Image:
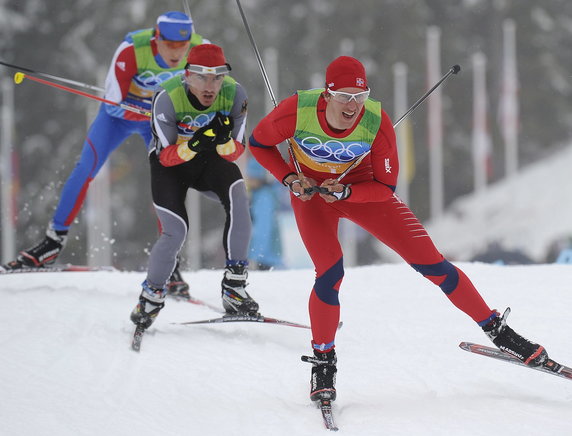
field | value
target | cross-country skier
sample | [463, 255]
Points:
[198, 127]
[141, 62]
[331, 128]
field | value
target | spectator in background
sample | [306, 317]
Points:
[265, 245]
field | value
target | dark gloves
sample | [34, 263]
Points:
[222, 125]
[203, 139]
[218, 131]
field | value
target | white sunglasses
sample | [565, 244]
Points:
[200, 69]
[346, 97]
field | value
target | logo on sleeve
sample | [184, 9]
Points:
[161, 117]
[121, 65]
[387, 166]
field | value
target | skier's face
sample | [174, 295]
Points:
[204, 86]
[172, 52]
[342, 114]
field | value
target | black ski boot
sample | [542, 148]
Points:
[151, 301]
[235, 299]
[507, 340]
[176, 286]
[323, 381]
[45, 252]
[11, 266]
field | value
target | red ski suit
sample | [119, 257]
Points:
[372, 205]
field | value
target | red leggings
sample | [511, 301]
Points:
[393, 223]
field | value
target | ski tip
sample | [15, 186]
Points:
[465, 346]
[325, 406]
[137, 338]
[136, 344]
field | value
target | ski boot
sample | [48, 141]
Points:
[11, 266]
[151, 301]
[323, 381]
[235, 299]
[507, 340]
[176, 286]
[43, 253]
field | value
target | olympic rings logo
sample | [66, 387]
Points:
[191, 124]
[332, 150]
[148, 79]
[188, 125]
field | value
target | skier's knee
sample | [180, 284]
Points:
[444, 274]
[327, 285]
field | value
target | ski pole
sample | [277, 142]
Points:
[187, 9]
[19, 78]
[49, 76]
[267, 83]
[453, 70]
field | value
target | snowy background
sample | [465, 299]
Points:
[530, 213]
[66, 367]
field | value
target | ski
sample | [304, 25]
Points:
[137, 338]
[245, 318]
[549, 367]
[9, 269]
[325, 407]
[237, 318]
[249, 318]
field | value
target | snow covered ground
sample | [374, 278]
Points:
[66, 367]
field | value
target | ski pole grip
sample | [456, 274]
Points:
[19, 78]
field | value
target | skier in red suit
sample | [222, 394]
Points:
[330, 128]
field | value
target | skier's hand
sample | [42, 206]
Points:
[204, 139]
[331, 190]
[222, 126]
[300, 186]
